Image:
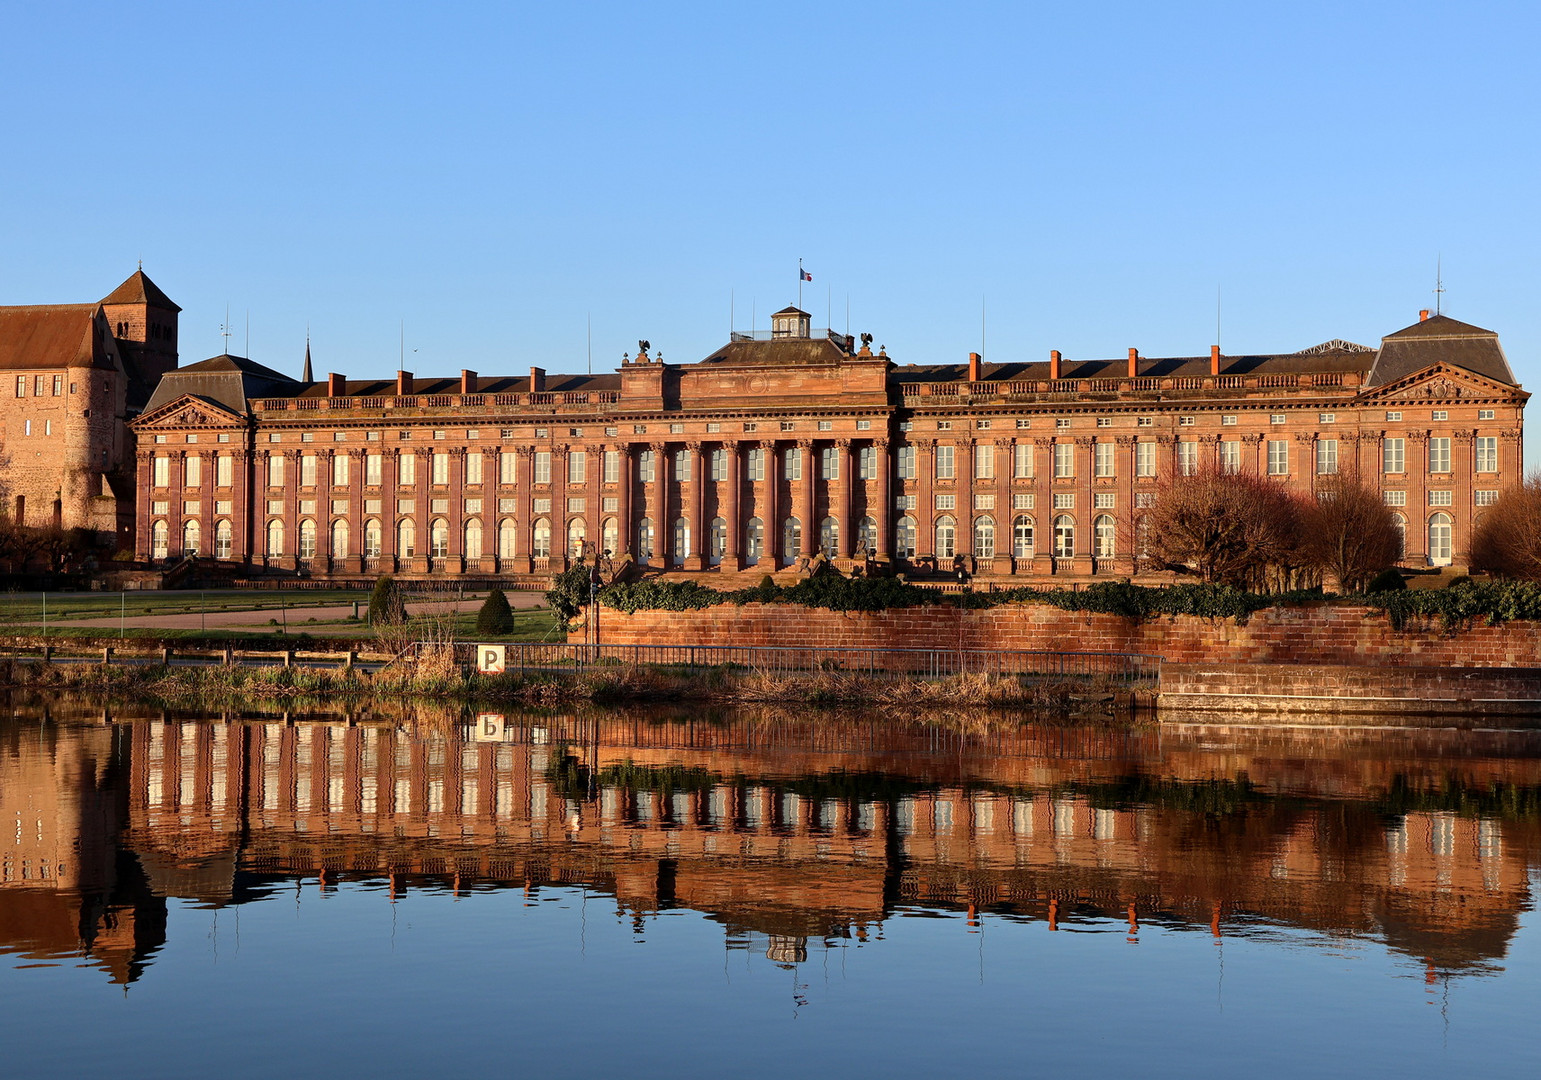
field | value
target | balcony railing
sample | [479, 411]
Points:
[552, 401]
[915, 393]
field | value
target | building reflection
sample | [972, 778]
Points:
[785, 831]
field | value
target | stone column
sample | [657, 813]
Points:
[559, 459]
[594, 496]
[802, 499]
[732, 509]
[925, 503]
[659, 504]
[840, 498]
[883, 511]
[143, 496]
[457, 505]
[626, 528]
[292, 458]
[241, 504]
[323, 491]
[694, 510]
[1043, 505]
[424, 505]
[390, 518]
[524, 514]
[770, 514]
[1003, 512]
[1417, 509]
[1304, 473]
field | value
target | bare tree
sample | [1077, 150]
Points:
[1230, 528]
[1507, 539]
[1348, 533]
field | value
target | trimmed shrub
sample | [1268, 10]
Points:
[495, 616]
[386, 605]
[1388, 580]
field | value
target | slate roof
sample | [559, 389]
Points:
[1437, 339]
[230, 381]
[1161, 367]
[778, 352]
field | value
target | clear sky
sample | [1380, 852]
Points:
[496, 175]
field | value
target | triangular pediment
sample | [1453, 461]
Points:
[190, 413]
[1444, 383]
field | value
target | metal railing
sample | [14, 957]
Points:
[1130, 668]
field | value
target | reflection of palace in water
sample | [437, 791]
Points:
[782, 830]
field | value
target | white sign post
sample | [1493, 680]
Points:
[491, 659]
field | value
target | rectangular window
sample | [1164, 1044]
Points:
[1024, 424]
[1278, 457]
[508, 467]
[475, 467]
[946, 502]
[864, 425]
[1439, 455]
[867, 463]
[944, 425]
[713, 428]
[982, 425]
[826, 425]
[1064, 500]
[945, 463]
[1394, 498]
[340, 470]
[543, 466]
[1484, 498]
[541, 506]
[372, 470]
[1185, 421]
[1394, 456]
[275, 470]
[224, 471]
[676, 429]
[610, 505]
[1187, 458]
[1487, 453]
[1022, 461]
[1439, 414]
[275, 506]
[1103, 459]
[1104, 500]
[754, 464]
[224, 506]
[906, 502]
[984, 500]
[1326, 418]
[1145, 458]
[682, 465]
[1062, 423]
[829, 462]
[719, 465]
[1394, 417]
[1482, 414]
[190, 508]
[309, 436]
[1228, 421]
[308, 470]
[612, 466]
[1441, 498]
[1326, 457]
[645, 466]
[1022, 500]
[577, 466]
[1064, 460]
[440, 468]
[1145, 421]
[788, 425]
[1144, 500]
[21, 386]
[906, 463]
[1230, 456]
[37, 386]
[792, 463]
[59, 389]
[984, 462]
[26, 427]
[406, 467]
[162, 470]
[577, 506]
[406, 506]
[1276, 418]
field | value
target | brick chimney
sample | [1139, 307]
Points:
[336, 385]
[1214, 359]
[1423, 316]
[403, 383]
[1054, 367]
[467, 382]
[973, 367]
[537, 380]
[1134, 363]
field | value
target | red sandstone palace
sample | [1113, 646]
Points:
[774, 448]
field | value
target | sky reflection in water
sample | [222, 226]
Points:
[759, 895]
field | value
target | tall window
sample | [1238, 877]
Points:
[791, 539]
[275, 471]
[543, 466]
[508, 538]
[192, 471]
[867, 535]
[440, 469]
[1187, 458]
[612, 467]
[223, 537]
[1103, 459]
[160, 532]
[719, 464]
[1022, 537]
[475, 463]
[339, 538]
[1064, 460]
[610, 536]
[867, 463]
[406, 538]
[307, 539]
[1400, 524]
[984, 537]
[946, 545]
[829, 462]
[1278, 457]
[681, 548]
[754, 464]
[1439, 455]
[577, 537]
[1487, 453]
[792, 463]
[1440, 539]
[1145, 458]
[644, 540]
[945, 464]
[577, 466]
[191, 534]
[307, 470]
[754, 540]
[406, 467]
[645, 466]
[1022, 461]
[1103, 536]
[540, 537]
[473, 540]
[508, 467]
[904, 538]
[340, 470]
[224, 471]
[829, 537]
[984, 462]
[718, 540]
[372, 538]
[682, 465]
[1326, 457]
[1230, 456]
[1394, 456]
[1064, 537]
[904, 463]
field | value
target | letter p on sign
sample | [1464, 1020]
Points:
[490, 659]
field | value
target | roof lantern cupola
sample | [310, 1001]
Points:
[791, 322]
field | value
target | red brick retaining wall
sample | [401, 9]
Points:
[1323, 691]
[1305, 635]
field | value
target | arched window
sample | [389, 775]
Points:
[681, 541]
[791, 540]
[644, 540]
[904, 537]
[829, 537]
[577, 533]
[611, 534]
[191, 534]
[1103, 533]
[1022, 537]
[473, 541]
[984, 537]
[719, 541]
[508, 538]
[223, 537]
[754, 541]
[867, 536]
[339, 538]
[540, 545]
[438, 539]
[946, 537]
[276, 537]
[1400, 524]
[372, 538]
[1064, 537]
[1441, 541]
[160, 540]
[307, 539]
[406, 539]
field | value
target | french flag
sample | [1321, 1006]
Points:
[803, 275]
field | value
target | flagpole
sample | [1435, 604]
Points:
[799, 284]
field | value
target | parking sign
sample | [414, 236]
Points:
[491, 659]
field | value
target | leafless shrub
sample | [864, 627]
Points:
[1230, 528]
[1507, 539]
[1348, 533]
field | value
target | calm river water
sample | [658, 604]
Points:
[413, 892]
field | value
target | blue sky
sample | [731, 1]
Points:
[496, 175]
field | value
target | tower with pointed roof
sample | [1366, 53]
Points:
[144, 320]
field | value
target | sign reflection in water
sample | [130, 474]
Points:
[786, 832]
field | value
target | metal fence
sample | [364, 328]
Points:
[1132, 668]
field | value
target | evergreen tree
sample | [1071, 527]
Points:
[386, 606]
[495, 616]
